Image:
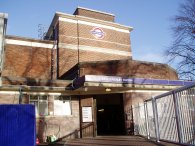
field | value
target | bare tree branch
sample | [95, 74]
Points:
[182, 49]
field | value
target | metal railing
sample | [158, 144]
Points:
[169, 117]
[87, 131]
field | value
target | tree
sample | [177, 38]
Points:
[182, 49]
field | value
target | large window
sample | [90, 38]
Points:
[62, 105]
[51, 105]
[41, 104]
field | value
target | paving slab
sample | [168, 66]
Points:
[112, 141]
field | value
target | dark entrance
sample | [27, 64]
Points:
[110, 115]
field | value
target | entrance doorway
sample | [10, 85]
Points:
[110, 114]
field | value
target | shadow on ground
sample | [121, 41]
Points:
[111, 141]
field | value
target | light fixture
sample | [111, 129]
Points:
[101, 110]
[108, 89]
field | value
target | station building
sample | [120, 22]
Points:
[81, 75]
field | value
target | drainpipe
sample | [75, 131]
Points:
[78, 45]
[20, 95]
[52, 53]
[3, 24]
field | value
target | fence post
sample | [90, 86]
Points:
[136, 123]
[138, 127]
[175, 101]
[146, 119]
[156, 119]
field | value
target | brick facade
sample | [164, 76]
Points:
[113, 39]
[86, 43]
[27, 61]
[49, 125]
[94, 14]
[77, 43]
[66, 59]
[58, 125]
[127, 68]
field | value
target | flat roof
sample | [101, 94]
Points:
[94, 11]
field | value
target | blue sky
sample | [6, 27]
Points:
[151, 20]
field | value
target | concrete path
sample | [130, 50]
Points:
[112, 141]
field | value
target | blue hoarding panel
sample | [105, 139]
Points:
[17, 125]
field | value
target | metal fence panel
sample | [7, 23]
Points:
[139, 120]
[186, 102]
[142, 121]
[167, 119]
[151, 124]
[170, 116]
[136, 119]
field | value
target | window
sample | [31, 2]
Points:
[41, 104]
[62, 105]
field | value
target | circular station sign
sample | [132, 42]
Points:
[98, 33]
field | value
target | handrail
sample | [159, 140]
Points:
[75, 133]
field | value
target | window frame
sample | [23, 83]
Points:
[38, 100]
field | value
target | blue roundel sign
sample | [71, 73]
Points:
[98, 33]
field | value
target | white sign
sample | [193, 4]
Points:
[62, 108]
[87, 114]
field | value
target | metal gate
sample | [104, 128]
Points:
[169, 117]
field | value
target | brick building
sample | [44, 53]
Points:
[82, 75]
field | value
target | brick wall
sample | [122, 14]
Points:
[71, 34]
[85, 56]
[8, 80]
[9, 98]
[27, 61]
[58, 125]
[129, 68]
[133, 98]
[48, 125]
[66, 60]
[113, 39]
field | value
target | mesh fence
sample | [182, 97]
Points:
[169, 116]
